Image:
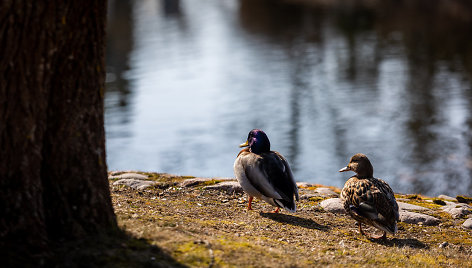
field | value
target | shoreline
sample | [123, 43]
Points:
[203, 222]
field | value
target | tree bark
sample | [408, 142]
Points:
[53, 174]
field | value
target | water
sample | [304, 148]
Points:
[187, 81]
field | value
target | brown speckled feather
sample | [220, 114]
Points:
[375, 193]
[369, 200]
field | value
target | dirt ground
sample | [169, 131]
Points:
[211, 228]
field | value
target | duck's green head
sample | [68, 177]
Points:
[361, 165]
[257, 141]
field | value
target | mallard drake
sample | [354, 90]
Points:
[265, 174]
[369, 200]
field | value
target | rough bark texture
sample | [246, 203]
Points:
[53, 182]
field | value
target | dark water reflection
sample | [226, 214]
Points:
[188, 79]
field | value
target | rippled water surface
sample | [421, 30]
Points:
[187, 80]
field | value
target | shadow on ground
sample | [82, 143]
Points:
[294, 220]
[114, 249]
[399, 242]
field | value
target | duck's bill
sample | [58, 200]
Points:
[246, 144]
[344, 169]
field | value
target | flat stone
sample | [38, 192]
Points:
[228, 186]
[468, 223]
[135, 176]
[194, 181]
[446, 197]
[449, 203]
[417, 218]
[323, 191]
[333, 205]
[457, 210]
[304, 184]
[224, 179]
[406, 206]
[135, 184]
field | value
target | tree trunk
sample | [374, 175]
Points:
[53, 174]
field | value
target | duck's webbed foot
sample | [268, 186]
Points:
[378, 237]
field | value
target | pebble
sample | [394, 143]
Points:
[333, 205]
[417, 218]
[443, 244]
[468, 223]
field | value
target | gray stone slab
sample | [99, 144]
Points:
[333, 205]
[323, 191]
[135, 176]
[228, 186]
[468, 223]
[406, 206]
[417, 218]
[446, 197]
[457, 211]
[194, 182]
[135, 184]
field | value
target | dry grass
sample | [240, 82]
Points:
[202, 228]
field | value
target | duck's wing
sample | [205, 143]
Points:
[256, 173]
[279, 175]
[372, 199]
[389, 196]
[289, 181]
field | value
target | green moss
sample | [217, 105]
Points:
[464, 199]
[439, 202]
[421, 203]
[208, 183]
[195, 254]
[413, 196]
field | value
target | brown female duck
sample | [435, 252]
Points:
[369, 200]
[265, 174]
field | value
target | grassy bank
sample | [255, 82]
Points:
[202, 228]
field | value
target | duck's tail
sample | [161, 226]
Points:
[288, 205]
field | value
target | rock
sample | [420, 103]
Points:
[417, 218]
[135, 176]
[457, 210]
[135, 183]
[325, 192]
[228, 186]
[447, 198]
[194, 181]
[449, 203]
[304, 184]
[443, 244]
[468, 223]
[225, 179]
[406, 206]
[333, 205]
